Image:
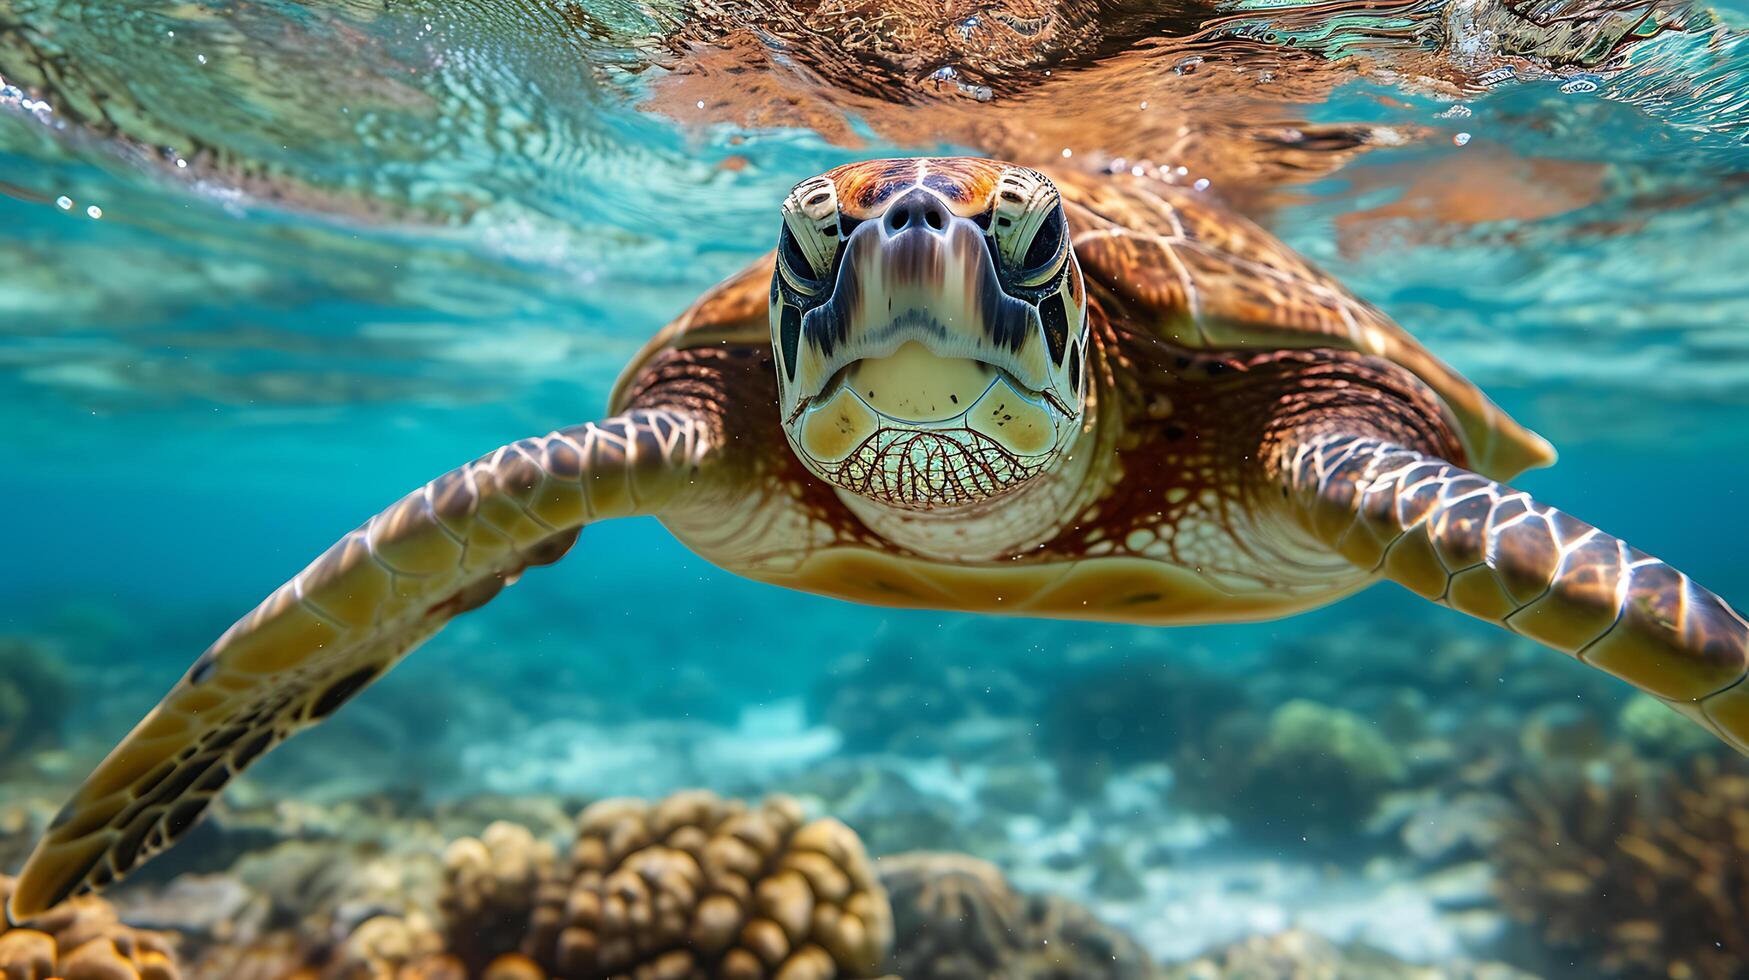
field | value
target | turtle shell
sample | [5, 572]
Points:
[1173, 261]
[1169, 259]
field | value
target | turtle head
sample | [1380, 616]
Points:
[929, 323]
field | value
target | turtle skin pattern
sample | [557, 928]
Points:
[346, 619]
[1488, 550]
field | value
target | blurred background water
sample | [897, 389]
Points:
[263, 266]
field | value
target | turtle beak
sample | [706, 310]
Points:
[918, 274]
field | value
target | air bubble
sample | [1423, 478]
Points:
[1201, 184]
[64, 202]
[1461, 139]
[94, 212]
[1580, 86]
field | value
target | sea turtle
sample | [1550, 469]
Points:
[962, 384]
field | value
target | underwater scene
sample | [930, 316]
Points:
[1219, 629]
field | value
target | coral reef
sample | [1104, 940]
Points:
[1646, 874]
[891, 813]
[1299, 955]
[698, 886]
[388, 947]
[956, 918]
[490, 885]
[1310, 772]
[82, 940]
[693, 886]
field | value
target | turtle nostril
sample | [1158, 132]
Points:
[918, 209]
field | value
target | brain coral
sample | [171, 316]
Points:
[956, 918]
[1646, 875]
[699, 887]
[81, 940]
[490, 885]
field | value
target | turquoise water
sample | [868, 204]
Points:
[263, 267]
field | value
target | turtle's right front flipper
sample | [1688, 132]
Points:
[345, 620]
[1485, 549]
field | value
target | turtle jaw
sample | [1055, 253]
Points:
[922, 432]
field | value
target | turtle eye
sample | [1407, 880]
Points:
[795, 265]
[1028, 228]
[811, 236]
[1044, 256]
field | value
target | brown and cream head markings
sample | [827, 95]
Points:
[929, 320]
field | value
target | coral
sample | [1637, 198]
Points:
[390, 947]
[1298, 955]
[691, 887]
[489, 890]
[1644, 875]
[328, 887]
[956, 918]
[306, 909]
[82, 940]
[1310, 772]
[1444, 828]
[880, 799]
[695, 886]
[34, 696]
[279, 957]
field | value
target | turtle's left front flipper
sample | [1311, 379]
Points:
[346, 619]
[1485, 549]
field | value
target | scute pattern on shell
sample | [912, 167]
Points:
[1166, 260]
[82, 940]
[700, 887]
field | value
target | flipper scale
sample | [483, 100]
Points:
[1485, 549]
[342, 622]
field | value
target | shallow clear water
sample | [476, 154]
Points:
[264, 266]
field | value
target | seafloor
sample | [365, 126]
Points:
[1378, 803]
